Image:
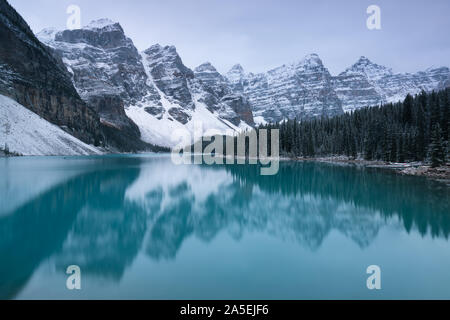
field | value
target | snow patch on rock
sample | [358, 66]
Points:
[28, 134]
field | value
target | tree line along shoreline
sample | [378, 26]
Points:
[415, 130]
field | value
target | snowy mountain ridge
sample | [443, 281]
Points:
[157, 81]
[101, 24]
[131, 99]
[381, 85]
[302, 90]
[159, 93]
[306, 89]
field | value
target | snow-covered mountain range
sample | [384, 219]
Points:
[306, 89]
[368, 84]
[159, 93]
[95, 85]
[300, 90]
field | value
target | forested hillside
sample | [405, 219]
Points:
[415, 130]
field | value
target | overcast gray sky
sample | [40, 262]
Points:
[263, 34]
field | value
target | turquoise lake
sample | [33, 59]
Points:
[140, 227]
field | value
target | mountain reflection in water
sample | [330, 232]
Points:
[102, 212]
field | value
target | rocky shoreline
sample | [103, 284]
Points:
[4, 154]
[441, 174]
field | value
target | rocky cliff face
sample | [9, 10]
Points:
[186, 98]
[108, 74]
[186, 89]
[172, 78]
[395, 87]
[355, 86]
[306, 89]
[170, 75]
[301, 90]
[35, 77]
[217, 93]
[101, 59]
[157, 91]
[369, 84]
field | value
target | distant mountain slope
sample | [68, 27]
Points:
[32, 75]
[301, 90]
[369, 84]
[27, 133]
[306, 89]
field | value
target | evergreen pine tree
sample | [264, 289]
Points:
[420, 141]
[393, 153]
[401, 149]
[437, 153]
[404, 131]
[407, 109]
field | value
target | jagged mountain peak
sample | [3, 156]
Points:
[103, 33]
[101, 24]
[310, 62]
[301, 89]
[363, 60]
[167, 55]
[159, 47]
[237, 67]
[108, 74]
[209, 76]
[368, 84]
[165, 52]
[47, 34]
[436, 68]
[236, 74]
[312, 58]
[205, 67]
[368, 68]
[155, 47]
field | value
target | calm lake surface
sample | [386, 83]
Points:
[140, 227]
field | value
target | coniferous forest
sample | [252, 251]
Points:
[416, 129]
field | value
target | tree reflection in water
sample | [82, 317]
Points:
[103, 217]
